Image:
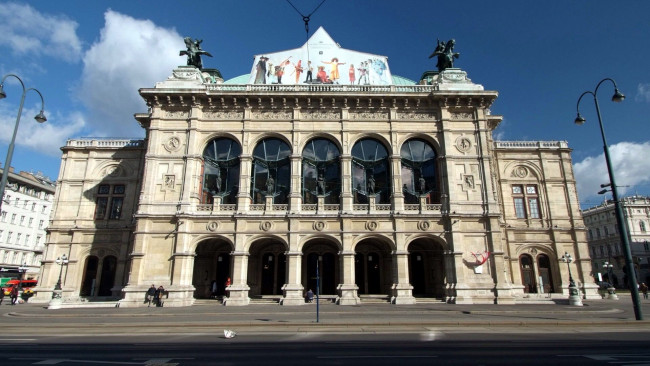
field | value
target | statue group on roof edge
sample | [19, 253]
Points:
[446, 54]
[194, 52]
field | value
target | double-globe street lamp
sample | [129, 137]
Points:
[611, 290]
[620, 220]
[57, 298]
[574, 295]
[10, 152]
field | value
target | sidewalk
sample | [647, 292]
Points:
[596, 314]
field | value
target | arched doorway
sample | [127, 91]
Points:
[544, 265]
[426, 268]
[267, 268]
[90, 274]
[527, 274]
[326, 255]
[212, 263]
[373, 267]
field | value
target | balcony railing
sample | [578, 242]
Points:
[334, 88]
[311, 208]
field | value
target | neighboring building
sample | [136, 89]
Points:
[25, 215]
[605, 243]
[393, 190]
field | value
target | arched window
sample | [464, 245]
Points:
[321, 171]
[221, 170]
[271, 171]
[419, 171]
[370, 171]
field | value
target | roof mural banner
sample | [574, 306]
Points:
[320, 61]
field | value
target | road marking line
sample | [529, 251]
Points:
[376, 356]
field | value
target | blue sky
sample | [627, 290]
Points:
[89, 58]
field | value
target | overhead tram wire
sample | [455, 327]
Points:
[306, 19]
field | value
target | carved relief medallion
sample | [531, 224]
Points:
[172, 144]
[372, 225]
[266, 225]
[424, 225]
[463, 144]
[520, 172]
[212, 225]
[319, 225]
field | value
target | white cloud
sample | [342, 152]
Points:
[631, 168]
[129, 55]
[46, 138]
[643, 93]
[27, 31]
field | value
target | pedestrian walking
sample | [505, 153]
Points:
[151, 292]
[644, 290]
[14, 295]
[213, 289]
[227, 284]
[310, 296]
[2, 295]
[160, 292]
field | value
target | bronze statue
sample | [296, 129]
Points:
[194, 52]
[446, 54]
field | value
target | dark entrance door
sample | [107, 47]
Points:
[268, 274]
[107, 280]
[360, 272]
[90, 273]
[416, 276]
[544, 265]
[223, 272]
[527, 274]
[374, 273]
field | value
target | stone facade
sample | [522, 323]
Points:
[605, 242]
[389, 192]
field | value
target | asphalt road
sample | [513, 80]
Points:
[428, 348]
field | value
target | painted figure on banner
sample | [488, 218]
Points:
[260, 74]
[299, 70]
[310, 70]
[334, 64]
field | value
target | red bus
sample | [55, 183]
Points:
[26, 285]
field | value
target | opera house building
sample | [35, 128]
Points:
[321, 170]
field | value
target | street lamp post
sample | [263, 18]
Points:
[10, 152]
[574, 295]
[620, 220]
[611, 290]
[57, 298]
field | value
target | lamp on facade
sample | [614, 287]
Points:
[574, 295]
[57, 300]
[617, 97]
[611, 290]
[40, 118]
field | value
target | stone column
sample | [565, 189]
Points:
[244, 196]
[238, 290]
[402, 291]
[398, 195]
[346, 183]
[181, 290]
[347, 289]
[293, 289]
[295, 197]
